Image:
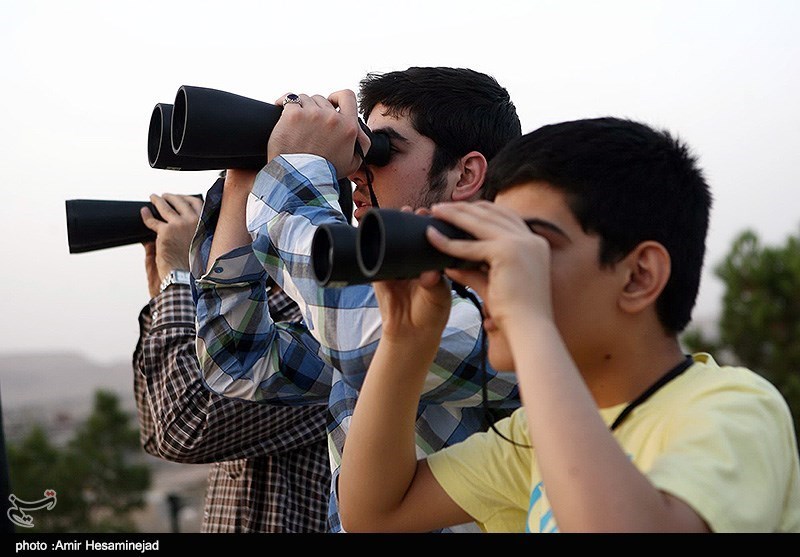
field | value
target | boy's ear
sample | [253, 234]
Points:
[472, 173]
[647, 269]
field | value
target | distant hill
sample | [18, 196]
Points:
[56, 390]
[59, 378]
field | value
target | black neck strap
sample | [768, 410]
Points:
[373, 200]
[666, 378]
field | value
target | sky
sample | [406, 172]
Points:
[80, 79]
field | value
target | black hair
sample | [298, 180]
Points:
[460, 110]
[628, 183]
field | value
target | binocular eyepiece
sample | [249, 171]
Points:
[388, 244]
[209, 129]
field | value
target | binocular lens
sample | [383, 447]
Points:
[322, 255]
[177, 124]
[154, 134]
[371, 243]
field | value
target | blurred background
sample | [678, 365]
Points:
[81, 78]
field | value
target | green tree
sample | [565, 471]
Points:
[96, 476]
[759, 326]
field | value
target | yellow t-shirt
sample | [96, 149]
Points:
[719, 438]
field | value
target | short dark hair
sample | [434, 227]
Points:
[460, 110]
[627, 183]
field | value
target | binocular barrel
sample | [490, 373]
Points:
[388, 244]
[160, 153]
[209, 123]
[392, 245]
[94, 224]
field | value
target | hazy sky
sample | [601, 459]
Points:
[80, 79]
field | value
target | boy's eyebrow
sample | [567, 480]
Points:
[534, 223]
[391, 133]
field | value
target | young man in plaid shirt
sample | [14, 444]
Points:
[269, 466]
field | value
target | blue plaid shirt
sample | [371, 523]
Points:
[244, 354]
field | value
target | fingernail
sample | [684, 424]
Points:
[431, 230]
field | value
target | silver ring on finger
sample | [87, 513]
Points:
[291, 98]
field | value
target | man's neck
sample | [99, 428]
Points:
[622, 376]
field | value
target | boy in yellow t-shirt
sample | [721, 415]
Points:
[592, 253]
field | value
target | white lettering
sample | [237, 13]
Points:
[68, 546]
[25, 545]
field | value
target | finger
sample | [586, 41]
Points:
[429, 279]
[178, 202]
[187, 206]
[149, 248]
[475, 279]
[463, 212]
[345, 101]
[164, 209]
[196, 204]
[347, 104]
[280, 100]
[470, 250]
[482, 219]
[322, 102]
[149, 220]
[305, 102]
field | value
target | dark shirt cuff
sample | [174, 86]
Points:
[174, 307]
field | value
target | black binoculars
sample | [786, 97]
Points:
[94, 224]
[204, 129]
[388, 244]
[209, 129]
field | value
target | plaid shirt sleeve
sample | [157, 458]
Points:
[292, 196]
[147, 436]
[180, 419]
[243, 352]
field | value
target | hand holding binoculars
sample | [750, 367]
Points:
[94, 224]
[388, 244]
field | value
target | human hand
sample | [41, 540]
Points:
[417, 308]
[328, 128]
[515, 275]
[180, 214]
